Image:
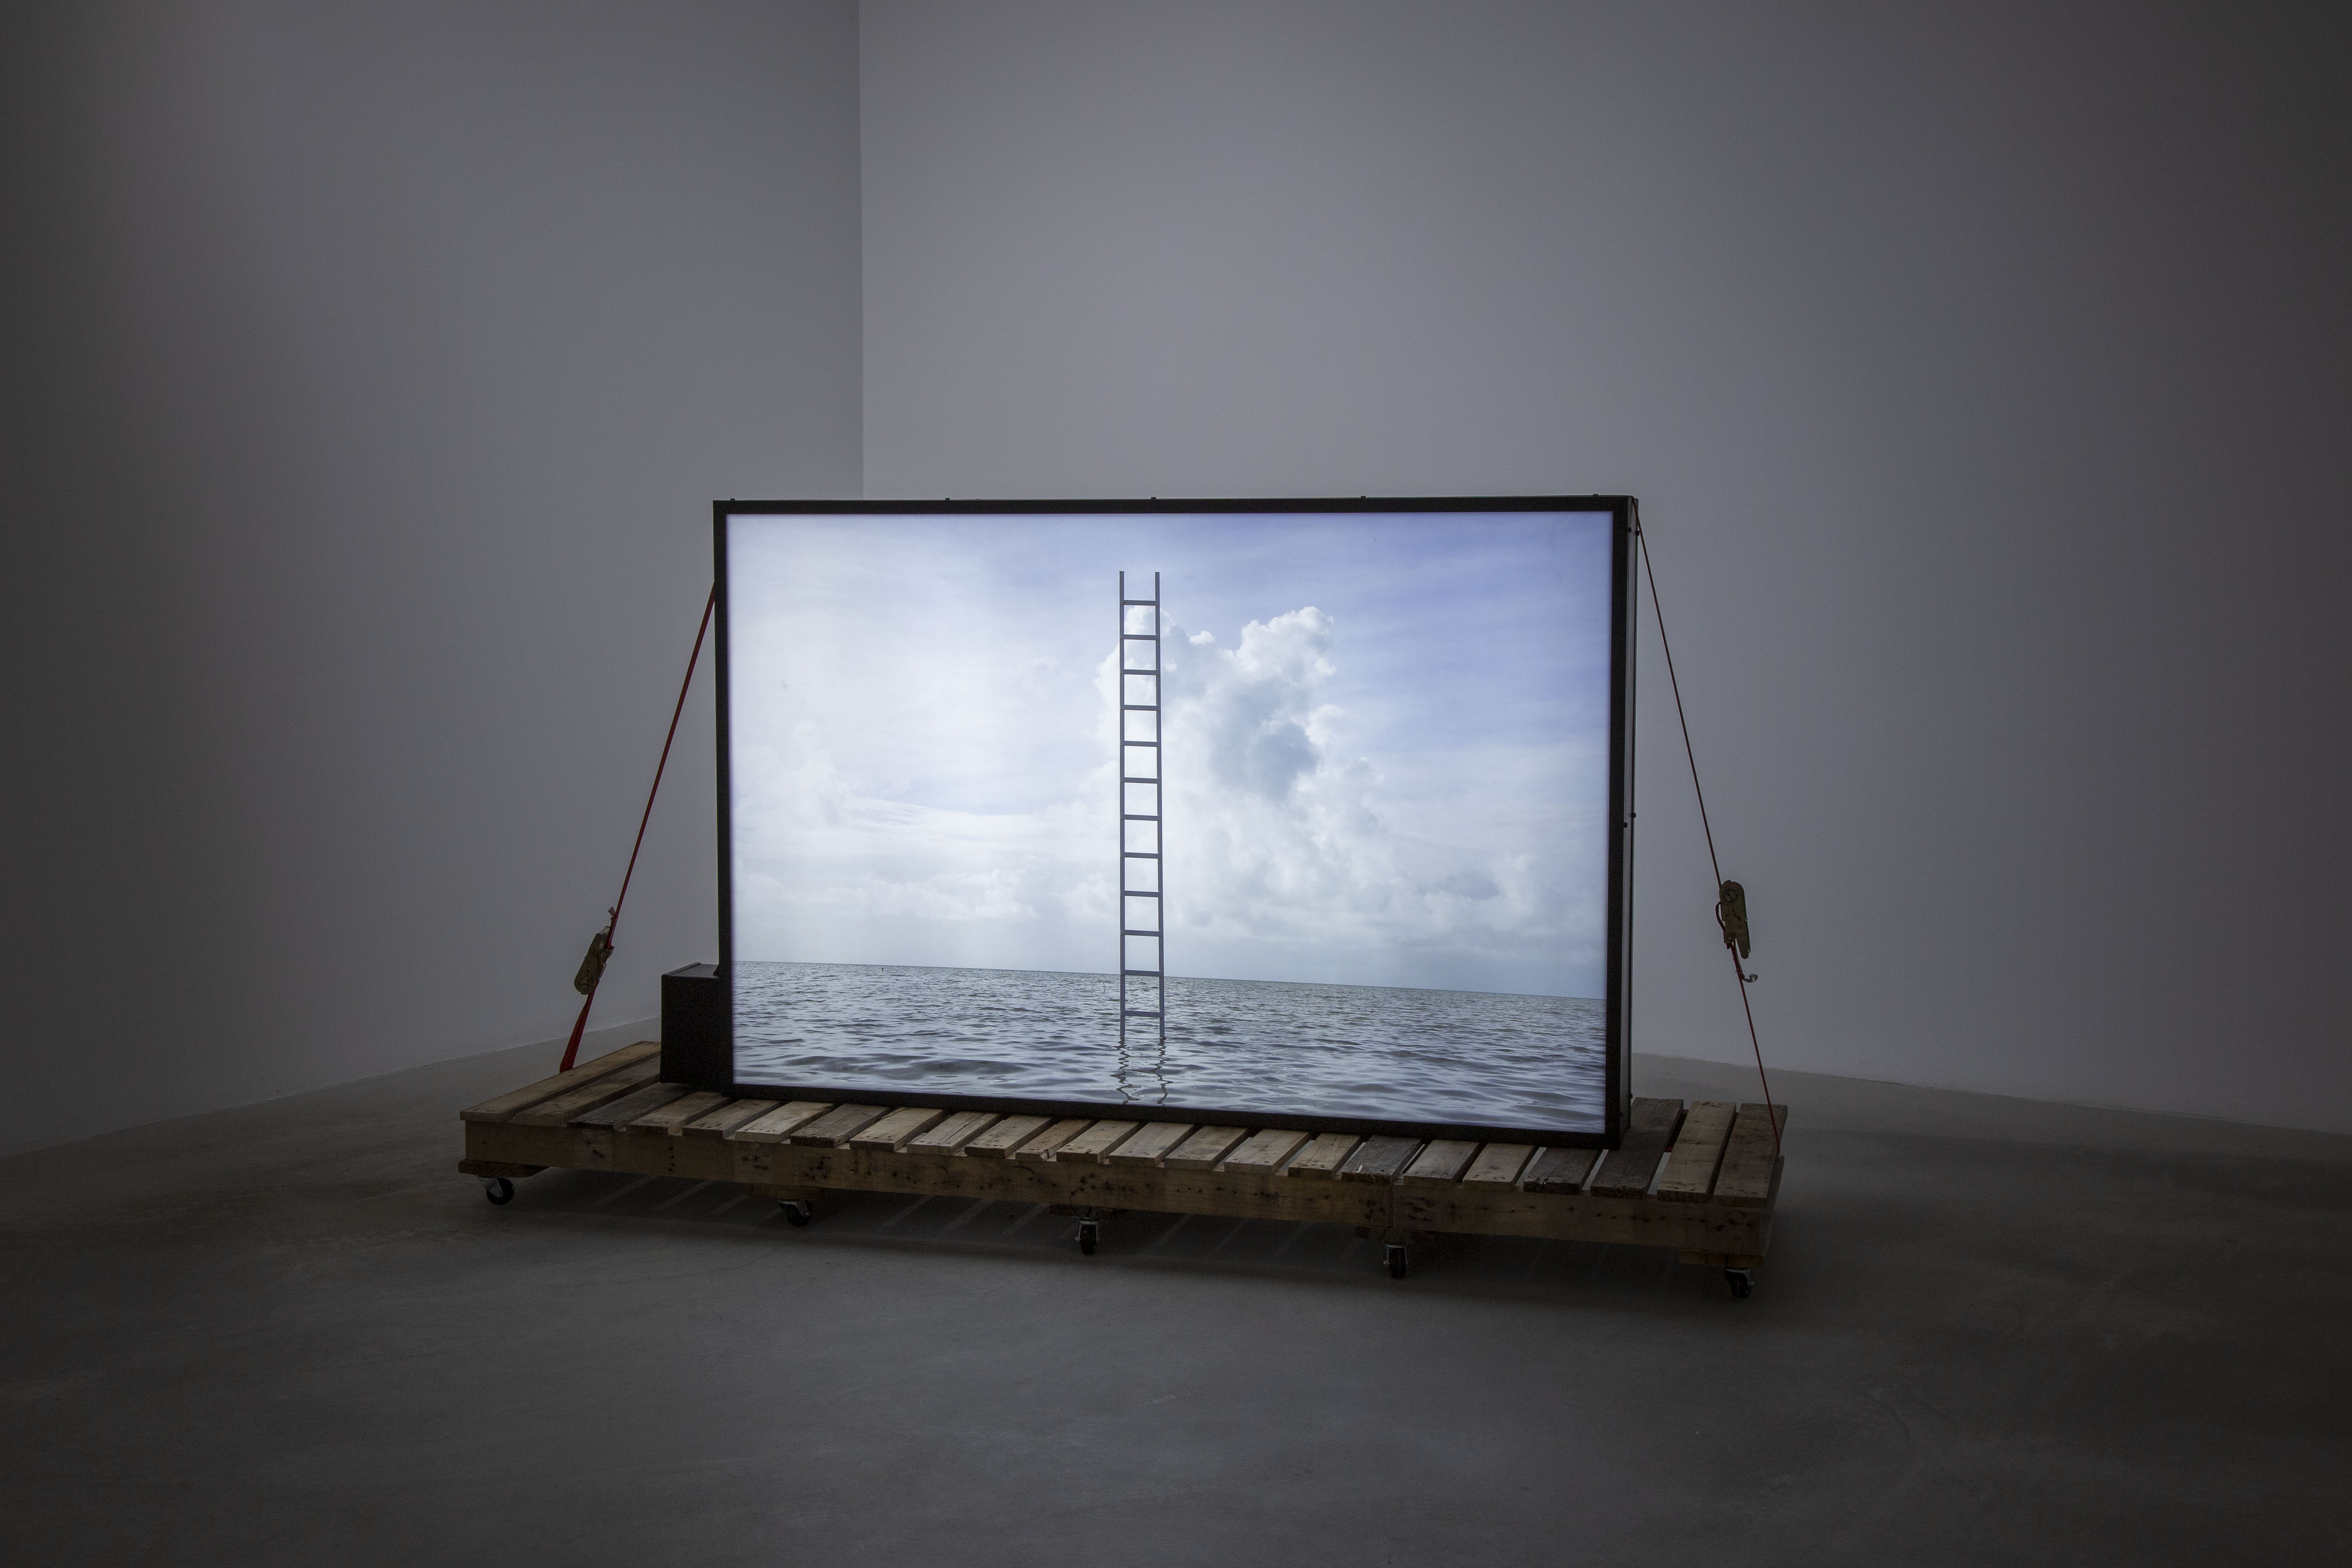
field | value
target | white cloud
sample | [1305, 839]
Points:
[823, 872]
[1288, 860]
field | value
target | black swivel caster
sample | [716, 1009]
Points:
[1089, 1236]
[798, 1212]
[497, 1189]
[1398, 1266]
[1741, 1282]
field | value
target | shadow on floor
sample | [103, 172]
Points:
[1272, 1248]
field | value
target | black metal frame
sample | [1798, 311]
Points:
[1617, 1005]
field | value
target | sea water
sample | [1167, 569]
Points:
[1264, 1047]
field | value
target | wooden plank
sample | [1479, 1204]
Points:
[1498, 1166]
[1323, 1156]
[998, 1141]
[674, 1116]
[727, 1118]
[839, 1125]
[557, 1110]
[507, 1104]
[1379, 1158]
[1750, 1158]
[1264, 1151]
[1143, 1188]
[1089, 1147]
[1580, 1217]
[1204, 1148]
[1712, 1228]
[619, 1112]
[895, 1130]
[1440, 1164]
[1627, 1172]
[1689, 1174]
[1150, 1146]
[1044, 1146]
[778, 1124]
[950, 1136]
[497, 1168]
[572, 1148]
[1560, 1170]
[657, 1151]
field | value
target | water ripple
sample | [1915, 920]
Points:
[1277, 1047]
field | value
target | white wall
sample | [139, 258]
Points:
[1981, 369]
[370, 372]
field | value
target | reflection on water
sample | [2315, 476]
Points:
[1242, 1045]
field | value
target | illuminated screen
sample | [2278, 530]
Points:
[1290, 813]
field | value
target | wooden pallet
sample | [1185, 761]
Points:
[1700, 1178]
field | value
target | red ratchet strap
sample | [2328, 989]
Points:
[572, 1050]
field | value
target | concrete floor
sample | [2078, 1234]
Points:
[1990, 1333]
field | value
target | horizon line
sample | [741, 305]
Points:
[1113, 974]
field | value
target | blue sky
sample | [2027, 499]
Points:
[1387, 758]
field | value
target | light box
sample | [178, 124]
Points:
[1311, 814]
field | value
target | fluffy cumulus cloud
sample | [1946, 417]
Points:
[1289, 859]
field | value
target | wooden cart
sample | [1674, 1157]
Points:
[1702, 1178]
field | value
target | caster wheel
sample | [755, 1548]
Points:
[1397, 1265]
[497, 1189]
[1741, 1283]
[797, 1212]
[1089, 1236]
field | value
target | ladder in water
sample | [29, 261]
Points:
[1142, 891]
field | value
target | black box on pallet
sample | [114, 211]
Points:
[697, 1046]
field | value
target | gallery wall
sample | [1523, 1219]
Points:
[1980, 369]
[370, 370]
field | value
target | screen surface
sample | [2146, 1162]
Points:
[1308, 811]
